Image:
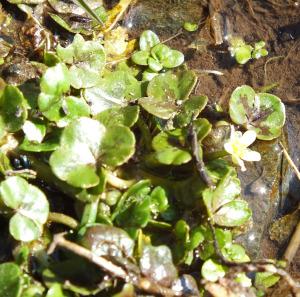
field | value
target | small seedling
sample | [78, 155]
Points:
[243, 52]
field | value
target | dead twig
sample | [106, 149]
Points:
[290, 161]
[138, 281]
[199, 162]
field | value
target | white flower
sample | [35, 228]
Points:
[237, 146]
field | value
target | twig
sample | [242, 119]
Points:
[293, 246]
[174, 36]
[141, 283]
[63, 219]
[290, 161]
[199, 162]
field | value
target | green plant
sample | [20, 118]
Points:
[243, 52]
[155, 55]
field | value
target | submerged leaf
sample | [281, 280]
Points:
[156, 263]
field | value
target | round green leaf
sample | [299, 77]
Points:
[10, 280]
[141, 57]
[154, 65]
[212, 271]
[168, 148]
[232, 214]
[148, 39]
[173, 59]
[55, 81]
[264, 113]
[31, 207]
[23, 228]
[243, 54]
[117, 146]
[75, 160]
[13, 112]
[161, 109]
[126, 116]
[190, 27]
[88, 58]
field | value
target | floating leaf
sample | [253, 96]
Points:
[141, 57]
[10, 280]
[148, 39]
[13, 112]
[126, 116]
[83, 143]
[163, 109]
[189, 110]
[168, 57]
[171, 86]
[109, 92]
[88, 58]
[156, 263]
[264, 113]
[212, 271]
[264, 280]
[75, 160]
[169, 148]
[29, 203]
[190, 27]
[117, 146]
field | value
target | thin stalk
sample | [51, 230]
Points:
[117, 182]
[61, 218]
[90, 211]
[88, 10]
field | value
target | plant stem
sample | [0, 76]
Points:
[89, 215]
[117, 182]
[61, 218]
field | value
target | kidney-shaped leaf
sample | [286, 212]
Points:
[29, 203]
[88, 58]
[75, 160]
[264, 113]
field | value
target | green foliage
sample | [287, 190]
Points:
[87, 59]
[118, 139]
[30, 205]
[223, 203]
[243, 52]
[85, 142]
[10, 280]
[264, 113]
[13, 111]
[155, 55]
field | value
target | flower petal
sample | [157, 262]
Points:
[236, 160]
[249, 155]
[228, 147]
[248, 138]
